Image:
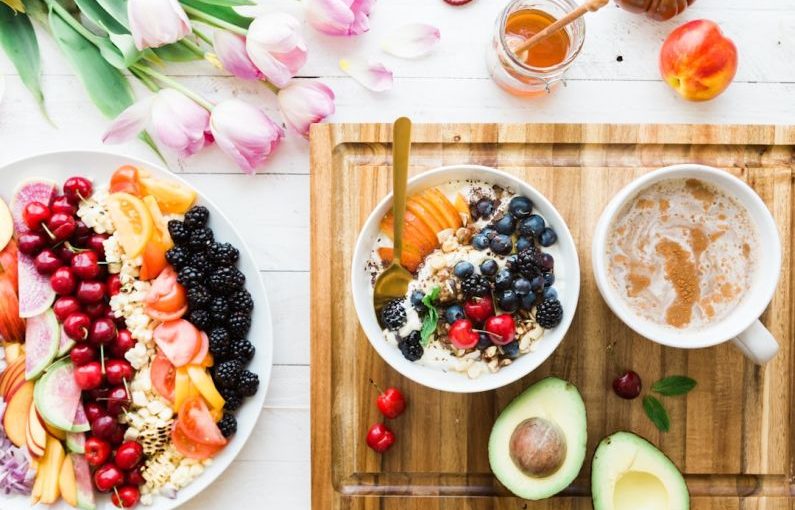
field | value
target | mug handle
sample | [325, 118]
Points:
[757, 343]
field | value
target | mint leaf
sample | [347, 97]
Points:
[432, 296]
[431, 319]
[656, 413]
[674, 385]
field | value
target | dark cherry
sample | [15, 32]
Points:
[34, 214]
[86, 265]
[61, 226]
[82, 233]
[99, 394]
[89, 376]
[118, 371]
[118, 400]
[94, 411]
[95, 244]
[65, 253]
[96, 310]
[65, 306]
[46, 262]
[627, 385]
[102, 331]
[31, 243]
[104, 427]
[63, 281]
[135, 477]
[124, 342]
[90, 291]
[107, 478]
[76, 326]
[61, 204]
[83, 354]
[113, 284]
[77, 189]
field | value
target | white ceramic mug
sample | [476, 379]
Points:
[741, 326]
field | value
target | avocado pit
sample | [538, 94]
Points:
[538, 447]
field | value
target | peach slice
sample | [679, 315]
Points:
[433, 210]
[410, 234]
[15, 419]
[461, 205]
[410, 259]
[420, 211]
[454, 219]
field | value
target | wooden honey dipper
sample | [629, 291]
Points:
[588, 6]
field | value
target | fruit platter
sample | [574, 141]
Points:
[136, 338]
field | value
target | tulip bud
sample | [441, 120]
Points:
[275, 45]
[231, 52]
[245, 133]
[155, 23]
[340, 17]
[305, 103]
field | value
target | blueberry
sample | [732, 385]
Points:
[549, 279]
[537, 283]
[523, 243]
[501, 244]
[531, 226]
[547, 237]
[489, 232]
[550, 293]
[489, 267]
[528, 300]
[483, 208]
[521, 207]
[484, 341]
[453, 313]
[510, 262]
[547, 261]
[416, 300]
[511, 350]
[480, 242]
[521, 286]
[503, 280]
[506, 225]
[508, 301]
[463, 269]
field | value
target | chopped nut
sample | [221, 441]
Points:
[494, 365]
[505, 362]
[444, 235]
[536, 332]
[450, 244]
[491, 351]
[436, 262]
[474, 371]
[473, 355]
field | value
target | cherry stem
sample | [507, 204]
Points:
[49, 233]
[376, 386]
[492, 335]
[102, 357]
[118, 498]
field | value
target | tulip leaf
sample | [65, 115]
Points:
[176, 52]
[18, 40]
[229, 3]
[125, 53]
[222, 12]
[106, 86]
[16, 5]
[117, 9]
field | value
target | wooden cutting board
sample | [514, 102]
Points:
[732, 436]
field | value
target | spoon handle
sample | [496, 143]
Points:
[401, 143]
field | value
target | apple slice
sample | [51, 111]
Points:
[6, 224]
[37, 435]
[14, 350]
[14, 384]
[9, 375]
[67, 483]
[15, 419]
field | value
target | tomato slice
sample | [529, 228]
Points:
[198, 424]
[165, 294]
[125, 179]
[179, 340]
[163, 375]
[189, 448]
[133, 222]
[173, 197]
[204, 348]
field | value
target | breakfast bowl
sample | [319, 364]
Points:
[496, 281]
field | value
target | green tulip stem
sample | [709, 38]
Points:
[213, 21]
[174, 84]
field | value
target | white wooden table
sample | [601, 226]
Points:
[614, 80]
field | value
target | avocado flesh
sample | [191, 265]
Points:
[558, 402]
[629, 473]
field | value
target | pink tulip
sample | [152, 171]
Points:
[275, 45]
[340, 17]
[231, 51]
[155, 23]
[305, 103]
[245, 133]
[173, 119]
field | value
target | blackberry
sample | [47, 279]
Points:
[528, 263]
[219, 310]
[475, 285]
[227, 373]
[223, 254]
[232, 400]
[220, 344]
[242, 350]
[549, 313]
[201, 262]
[179, 233]
[178, 257]
[198, 297]
[200, 319]
[394, 315]
[227, 425]
[200, 239]
[239, 323]
[196, 217]
[190, 276]
[241, 301]
[411, 346]
[249, 383]
[225, 280]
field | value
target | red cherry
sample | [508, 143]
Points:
[502, 329]
[105, 427]
[63, 281]
[97, 451]
[126, 497]
[96, 310]
[86, 265]
[82, 233]
[380, 438]
[461, 334]
[99, 394]
[46, 262]
[89, 376]
[31, 243]
[90, 291]
[118, 400]
[124, 342]
[77, 189]
[479, 309]
[391, 403]
[135, 477]
[128, 455]
[65, 306]
[118, 371]
[117, 437]
[34, 214]
[94, 411]
[102, 331]
[113, 284]
[107, 477]
[61, 204]
[76, 326]
[627, 385]
[96, 244]
[61, 226]
[65, 253]
[83, 354]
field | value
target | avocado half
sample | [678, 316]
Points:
[629, 473]
[537, 444]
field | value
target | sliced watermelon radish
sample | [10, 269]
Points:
[32, 190]
[76, 442]
[85, 490]
[65, 344]
[35, 293]
[42, 338]
[57, 397]
[81, 420]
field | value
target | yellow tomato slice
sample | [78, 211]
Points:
[172, 197]
[203, 382]
[132, 220]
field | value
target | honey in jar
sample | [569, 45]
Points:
[524, 24]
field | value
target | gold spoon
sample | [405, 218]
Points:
[394, 281]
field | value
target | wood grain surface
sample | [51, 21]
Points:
[732, 436]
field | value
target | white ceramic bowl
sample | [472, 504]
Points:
[99, 166]
[567, 283]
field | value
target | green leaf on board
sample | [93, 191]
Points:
[656, 413]
[147, 139]
[221, 12]
[674, 385]
[176, 52]
[123, 52]
[106, 86]
[430, 321]
[19, 42]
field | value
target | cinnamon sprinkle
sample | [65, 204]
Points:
[681, 271]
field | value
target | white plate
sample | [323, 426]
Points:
[99, 166]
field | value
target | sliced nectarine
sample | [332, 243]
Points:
[37, 435]
[461, 205]
[415, 206]
[450, 211]
[15, 419]
[9, 375]
[433, 210]
[410, 234]
[410, 259]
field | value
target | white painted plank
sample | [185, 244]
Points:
[289, 388]
[288, 293]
